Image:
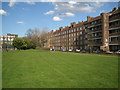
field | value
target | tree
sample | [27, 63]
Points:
[29, 33]
[22, 43]
[18, 43]
[37, 37]
[43, 36]
[33, 35]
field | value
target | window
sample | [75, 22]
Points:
[80, 28]
[106, 31]
[71, 34]
[106, 39]
[81, 33]
[105, 24]
[81, 38]
[105, 17]
[92, 28]
[95, 34]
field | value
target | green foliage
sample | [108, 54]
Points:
[21, 43]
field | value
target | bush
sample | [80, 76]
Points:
[21, 43]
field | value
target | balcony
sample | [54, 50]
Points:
[114, 34]
[95, 44]
[114, 18]
[97, 30]
[94, 37]
[95, 24]
[114, 26]
[114, 43]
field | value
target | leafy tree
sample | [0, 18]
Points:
[23, 43]
[18, 43]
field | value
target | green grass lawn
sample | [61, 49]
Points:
[45, 69]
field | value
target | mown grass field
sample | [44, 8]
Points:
[45, 69]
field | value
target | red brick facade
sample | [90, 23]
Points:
[97, 33]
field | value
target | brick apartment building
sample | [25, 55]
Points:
[97, 33]
[7, 39]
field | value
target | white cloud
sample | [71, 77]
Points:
[87, 8]
[56, 18]
[67, 14]
[30, 2]
[70, 14]
[12, 3]
[72, 6]
[20, 22]
[3, 12]
[72, 2]
[50, 12]
[79, 0]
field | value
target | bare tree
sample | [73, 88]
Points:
[43, 36]
[34, 35]
[29, 33]
[36, 32]
[37, 36]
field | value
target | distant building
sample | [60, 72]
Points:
[96, 33]
[7, 39]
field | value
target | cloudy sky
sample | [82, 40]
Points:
[17, 17]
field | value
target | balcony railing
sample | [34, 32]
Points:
[100, 30]
[114, 18]
[95, 24]
[114, 26]
[114, 34]
[114, 43]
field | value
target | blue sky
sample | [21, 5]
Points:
[20, 16]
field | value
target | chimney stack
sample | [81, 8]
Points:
[88, 18]
[114, 9]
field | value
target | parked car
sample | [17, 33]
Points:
[83, 51]
[77, 50]
[117, 52]
[51, 49]
[63, 49]
[70, 50]
[96, 51]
